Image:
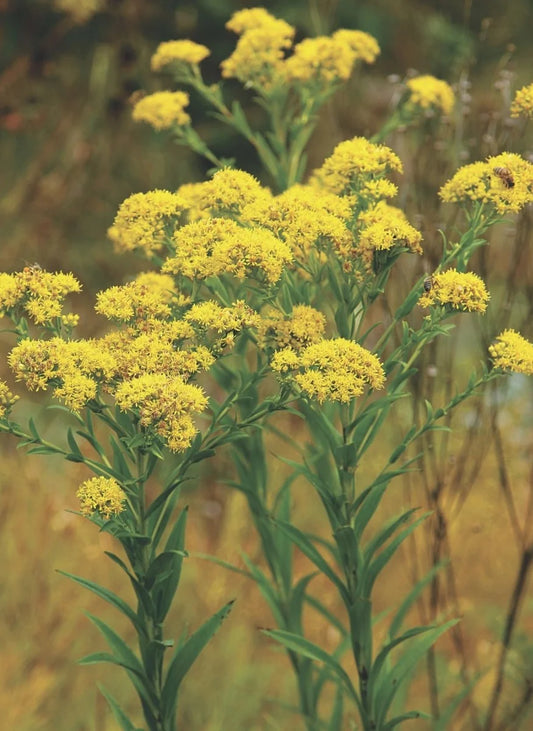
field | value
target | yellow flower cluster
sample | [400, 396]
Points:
[145, 220]
[504, 182]
[102, 495]
[7, 400]
[258, 56]
[301, 328]
[523, 102]
[383, 228]
[158, 347]
[215, 246]
[357, 167]
[138, 301]
[430, 93]
[73, 367]
[463, 291]
[164, 404]
[229, 191]
[211, 315]
[304, 218]
[512, 352]
[39, 294]
[362, 44]
[178, 52]
[163, 109]
[331, 370]
[325, 60]
[250, 19]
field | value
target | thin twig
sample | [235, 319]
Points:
[510, 622]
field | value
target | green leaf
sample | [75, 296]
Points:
[118, 713]
[119, 462]
[335, 721]
[224, 564]
[308, 549]
[406, 717]
[92, 441]
[126, 658]
[267, 589]
[383, 535]
[392, 680]
[33, 430]
[296, 600]
[282, 541]
[314, 652]
[379, 662]
[369, 506]
[123, 654]
[98, 657]
[409, 600]
[73, 444]
[108, 595]
[165, 571]
[379, 563]
[183, 659]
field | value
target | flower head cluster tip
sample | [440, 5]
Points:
[504, 182]
[183, 52]
[143, 220]
[358, 167]
[463, 291]
[36, 293]
[512, 352]
[258, 59]
[330, 370]
[102, 495]
[163, 109]
[7, 400]
[523, 102]
[430, 94]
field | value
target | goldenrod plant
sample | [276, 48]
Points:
[262, 302]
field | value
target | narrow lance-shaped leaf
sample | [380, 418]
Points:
[182, 660]
[126, 658]
[393, 679]
[118, 713]
[307, 548]
[379, 563]
[108, 595]
[314, 652]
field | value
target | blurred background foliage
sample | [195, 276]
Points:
[70, 154]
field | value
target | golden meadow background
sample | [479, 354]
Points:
[69, 155]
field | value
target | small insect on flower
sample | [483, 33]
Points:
[136, 96]
[35, 267]
[428, 284]
[505, 175]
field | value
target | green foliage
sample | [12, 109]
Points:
[285, 325]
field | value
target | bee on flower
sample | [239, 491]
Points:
[505, 175]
